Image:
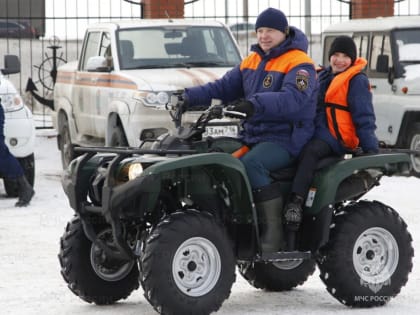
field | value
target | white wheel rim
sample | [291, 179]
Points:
[375, 255]
[415, 159]
[196, 266]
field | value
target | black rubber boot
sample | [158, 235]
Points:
[269, 206]
[25, 192]
[293, 211]
[293, 214]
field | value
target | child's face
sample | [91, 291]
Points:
[269, 38]
[339, 62]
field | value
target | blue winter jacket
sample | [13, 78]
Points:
[282, 86]
[359, 99]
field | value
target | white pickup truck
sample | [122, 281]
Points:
[115, 94]
[391, 46]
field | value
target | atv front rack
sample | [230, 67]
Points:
[77, 197]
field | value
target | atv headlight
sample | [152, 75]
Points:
[134, 170]
[11, 102]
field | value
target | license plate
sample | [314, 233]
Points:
[221, 131]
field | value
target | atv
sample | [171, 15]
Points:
[179, 216]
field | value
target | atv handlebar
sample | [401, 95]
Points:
[177, 107]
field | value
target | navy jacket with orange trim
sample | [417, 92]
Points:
[281, 85]
[360, 107]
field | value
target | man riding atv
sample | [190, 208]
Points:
[278, 84]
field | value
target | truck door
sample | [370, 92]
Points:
[89, 114]
[384, 98]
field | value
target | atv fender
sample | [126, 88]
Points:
[199, 174]
[328, 180]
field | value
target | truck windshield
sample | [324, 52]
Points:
[169, 47]
[408, 47]
[408, 43]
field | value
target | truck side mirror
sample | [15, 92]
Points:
[382, 64]
[97, 64]
[11, 64]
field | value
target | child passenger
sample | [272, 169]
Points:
[344, 123]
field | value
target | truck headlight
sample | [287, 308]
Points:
[11, 102]
[134, 171]
[152, 98]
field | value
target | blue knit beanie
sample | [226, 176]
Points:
[272, 18]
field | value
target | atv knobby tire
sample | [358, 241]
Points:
[369, 255]
[281, 276]
[188, 266]
[77, 270]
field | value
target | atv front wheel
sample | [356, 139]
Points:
[369, 255]
[89, 273]
[279, 276]
[188, 266]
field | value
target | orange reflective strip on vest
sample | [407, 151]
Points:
[340, 122]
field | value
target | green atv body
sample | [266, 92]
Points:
[181, 217]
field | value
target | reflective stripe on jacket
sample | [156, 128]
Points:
[340, 122]
[283, 63]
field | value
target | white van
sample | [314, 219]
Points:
[392, 47]
[19, 127]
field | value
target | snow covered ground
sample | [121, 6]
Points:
[30, 280]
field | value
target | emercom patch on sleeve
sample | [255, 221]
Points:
[302, 79]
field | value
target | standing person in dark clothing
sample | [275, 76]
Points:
[345, 120]
[276, 85]
[10, 168]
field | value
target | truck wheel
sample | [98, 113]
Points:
[88, 272]
[118, 138]
[28, 165]
[66, 147]
[369, 255]
[414, 143]
[188, 266]
[279, 276]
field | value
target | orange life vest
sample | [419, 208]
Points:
[340, 122]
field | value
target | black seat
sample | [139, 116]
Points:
[287, 174]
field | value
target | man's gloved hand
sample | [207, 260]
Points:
[183, 103]
[244, 106]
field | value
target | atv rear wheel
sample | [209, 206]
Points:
[88, 272]
[188, 266]
[369, 255]
[279, 276]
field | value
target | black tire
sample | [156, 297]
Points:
[28, 165]
[188, 266]
[117, 138]
[414, 144]
[92, 282]
[368, 257]
[281, 276]
[66, 147]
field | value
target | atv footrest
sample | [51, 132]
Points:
[284, 256]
